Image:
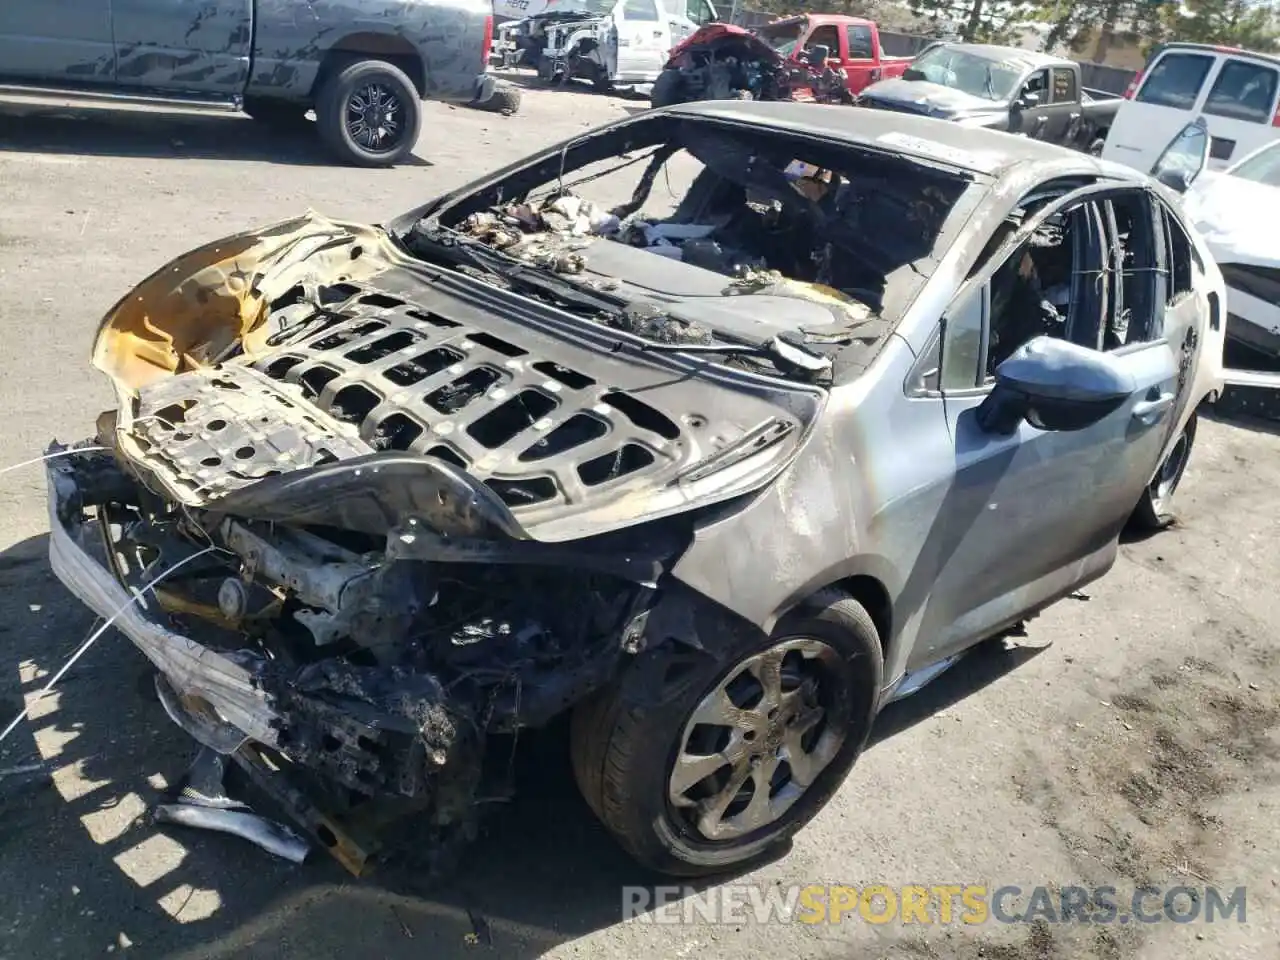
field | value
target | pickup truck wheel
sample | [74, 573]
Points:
[277, 113]
[667, 89]
[1155, 509]
[730, 766]
[369, 113]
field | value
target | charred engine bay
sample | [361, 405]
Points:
[386, 662]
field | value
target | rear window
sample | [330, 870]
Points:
[1243, 91]
[1175, 80]
[860, 43]
[1064, 85]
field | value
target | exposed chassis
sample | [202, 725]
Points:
[349, 752]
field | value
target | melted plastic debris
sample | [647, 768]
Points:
[650, 322]
[544, 233]
[846, 309]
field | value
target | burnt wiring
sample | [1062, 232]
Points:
[52, 456]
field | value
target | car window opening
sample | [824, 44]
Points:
[1091, 274]
[1032, 291]
[713, 213]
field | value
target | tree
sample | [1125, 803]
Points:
[1237, 23]
[978, 21]
[1242, 23]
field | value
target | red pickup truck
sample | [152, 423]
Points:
[795, 58]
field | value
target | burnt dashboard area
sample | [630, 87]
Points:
[755, 205]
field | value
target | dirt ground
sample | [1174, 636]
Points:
[1130, 738]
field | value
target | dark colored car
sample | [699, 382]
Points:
[363, 65]
[1001, 88]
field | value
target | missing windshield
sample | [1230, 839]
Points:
[683, 215]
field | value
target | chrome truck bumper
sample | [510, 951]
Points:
[226, 683]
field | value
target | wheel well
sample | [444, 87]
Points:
[373, 46]
[871, 593]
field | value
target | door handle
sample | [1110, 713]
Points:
[658, 34]
[1149, 412]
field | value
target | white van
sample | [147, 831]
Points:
[612, 43]
[1235, 91]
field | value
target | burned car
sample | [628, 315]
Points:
[720, 481]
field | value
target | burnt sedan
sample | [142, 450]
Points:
[720, 480]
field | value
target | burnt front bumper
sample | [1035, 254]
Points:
[375, 730]
[226, 683]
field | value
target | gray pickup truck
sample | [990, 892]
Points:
[1001, 88]
[364, 66]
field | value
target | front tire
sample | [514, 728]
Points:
[369, 114]
[1155, 510]
[729, 768]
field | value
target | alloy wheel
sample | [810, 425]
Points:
[374, 117]
[757, 741]
[1165, 482]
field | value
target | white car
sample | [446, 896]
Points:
[1236, 210]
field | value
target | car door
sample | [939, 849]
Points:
[1240, 107]
[1030, 116]
[823, 35]
[1064, 111]
[198, 47]
[57, 41]
[643, 40]
[861, 63]
[1034, 512]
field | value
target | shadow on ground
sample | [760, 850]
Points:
[528, 79]
[105, 131]
[95, 870]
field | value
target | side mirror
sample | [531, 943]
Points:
[1176, 180]
[1054, 385]
[1028, 98]
[817, 54]
[1185, 158]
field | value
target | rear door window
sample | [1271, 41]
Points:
[1064, 85]
[1243, 91]
[859, 42]
[1175, 81]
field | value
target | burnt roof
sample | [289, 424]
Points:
[923, 138]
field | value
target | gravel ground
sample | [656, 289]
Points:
[1129, 738]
